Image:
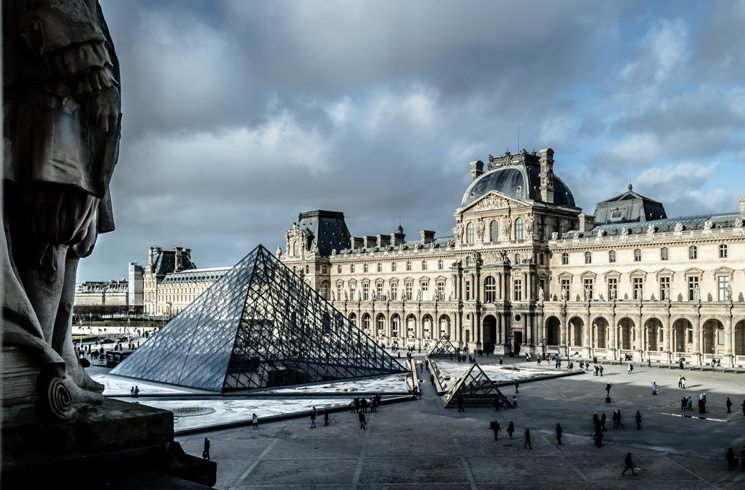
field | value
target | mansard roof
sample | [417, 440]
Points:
[629, 207]
[516, 176]
[660, 225]
[327, 228]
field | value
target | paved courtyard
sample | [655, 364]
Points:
[419, 444]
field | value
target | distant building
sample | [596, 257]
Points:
[101, 297]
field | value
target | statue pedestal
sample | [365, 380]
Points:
[107, 445]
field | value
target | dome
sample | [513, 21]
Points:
[518, 181]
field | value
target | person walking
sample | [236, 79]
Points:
[731, 462]
[460, 403]
[683, 403]
[620, 424]
[654, 387]
[602, 421]
[607, 389]
[629, 465]
[496, 428]
[137, 391]
[206, 451]
[510, 429]
[559, 431]
[255, 421]
[729, 405]
[638, 420]
[325, 417]
[363, 422]
[313, 418]
[683, 383]
[527, 440]
[514, 401]
[680, 381]
[517, 385]
[631, 368]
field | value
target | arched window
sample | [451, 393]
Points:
[490, 290]
[564, 258]
[366, 322]
[380, 324]
[541, 228]
[637, 255]
[519, 226]
[439, 264]
[494, 231]
[612, 256]
[380, 267]
[469, 233]
[424, 265]
[663, 253]
[588, 257]
[692, 252]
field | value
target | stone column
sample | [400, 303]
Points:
[698, 339]
[728, 341]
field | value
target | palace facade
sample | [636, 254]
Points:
[527, 271]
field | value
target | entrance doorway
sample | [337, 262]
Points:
[518, 342]
[489, 333]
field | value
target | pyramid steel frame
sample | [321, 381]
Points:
[476, 388]
[443, 348]
[259, 326]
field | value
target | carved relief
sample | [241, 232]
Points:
[492, 201]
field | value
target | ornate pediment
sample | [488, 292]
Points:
[492, 200]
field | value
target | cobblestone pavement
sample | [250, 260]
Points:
[419, 444]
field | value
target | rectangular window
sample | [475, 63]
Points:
[338, 292]
[364, 268]
[351, 268]
[565, 286]
[564, 258]
[409, 288]
[394, 291]
[379, 290]
[723, 288]
[323, 269]
[518, 296]
[380, 267]
[690, 335]
[663, 253]
[722, 251]
[664, 288]
[468, 290]
[338, 269]
[638, 288]
[393, 267]
[425, 291]
[441, 290]
[439, 264]
[365, 292]
[692, 287]
[352, 291]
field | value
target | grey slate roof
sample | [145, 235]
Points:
[165, 262]
[628, 207]
[328, 229]
[212, 274]
[660, 225]
[520, 181]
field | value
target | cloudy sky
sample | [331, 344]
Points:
[238, 115]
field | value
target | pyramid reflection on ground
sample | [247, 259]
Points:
[259, 326]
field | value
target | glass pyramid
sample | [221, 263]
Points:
[443, 348]
[258, 326]
[476, 388]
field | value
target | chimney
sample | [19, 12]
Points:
[427, 236]
[742, 206]
[547, 175]
[179, 260]
[477, 169]
[398, 237]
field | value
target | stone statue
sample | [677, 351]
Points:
[458, 232]
[739, 222]
[563, 294]
[708, 224]
[506, 226]
[624, 231]
[728, 292]
[61, 132]
[529, 225]
[540, 295]
[696, 293]
[588, 294]
[679, 227]
[279, 252]
[480, 229]
[650, 229]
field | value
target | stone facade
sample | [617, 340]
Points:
[526, 271]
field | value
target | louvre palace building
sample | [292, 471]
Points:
[525, 271]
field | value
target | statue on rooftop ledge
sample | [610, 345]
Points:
[62, 122]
